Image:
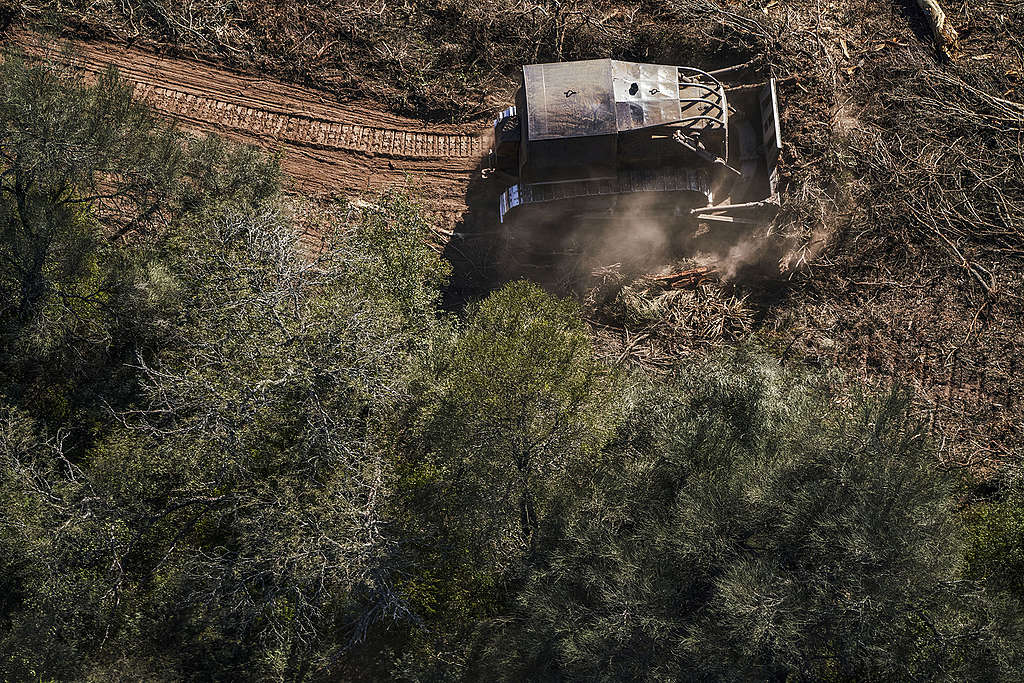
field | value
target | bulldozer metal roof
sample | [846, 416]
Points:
[598, 97]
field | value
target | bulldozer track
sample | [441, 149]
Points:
[327, 148]
[393, 142]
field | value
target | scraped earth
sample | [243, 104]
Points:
[327, 148]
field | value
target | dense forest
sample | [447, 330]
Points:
[232, 451]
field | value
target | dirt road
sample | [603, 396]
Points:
[327, 147]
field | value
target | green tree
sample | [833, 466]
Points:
[221, 509]
[72, 155]
[995, 551]
[754, 527]
[508, 415]
[516, 406]
[237, 520]
[90, 184]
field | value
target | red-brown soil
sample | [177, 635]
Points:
[327, 148]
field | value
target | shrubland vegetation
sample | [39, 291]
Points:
[227, 453]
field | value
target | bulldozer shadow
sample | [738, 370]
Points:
[564, 249]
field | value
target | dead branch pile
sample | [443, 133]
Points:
[645, 323]
[690, 277]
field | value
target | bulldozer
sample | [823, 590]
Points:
[604, 137]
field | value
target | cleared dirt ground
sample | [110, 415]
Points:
[327, 148]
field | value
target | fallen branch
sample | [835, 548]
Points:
[686, 278]
[945, 35]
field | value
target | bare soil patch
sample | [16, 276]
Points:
[327, 148]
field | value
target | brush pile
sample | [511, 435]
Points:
[653, 321]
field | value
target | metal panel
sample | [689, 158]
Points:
[509, 200]
[627, 182]
[570, 99]
[507, 114]
[770, 122]
[599, 97]
[645, 94]
[772, 132]
[573, 157]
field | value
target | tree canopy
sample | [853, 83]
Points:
[755, 526]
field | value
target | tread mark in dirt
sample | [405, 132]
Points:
[327, 147]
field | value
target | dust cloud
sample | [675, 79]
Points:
[639, 235]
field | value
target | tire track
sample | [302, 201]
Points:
[327, 148]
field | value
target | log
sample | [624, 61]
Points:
[687, 278]
[945, 35]
[718, 218]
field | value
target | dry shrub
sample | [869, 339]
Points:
[447, 60]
